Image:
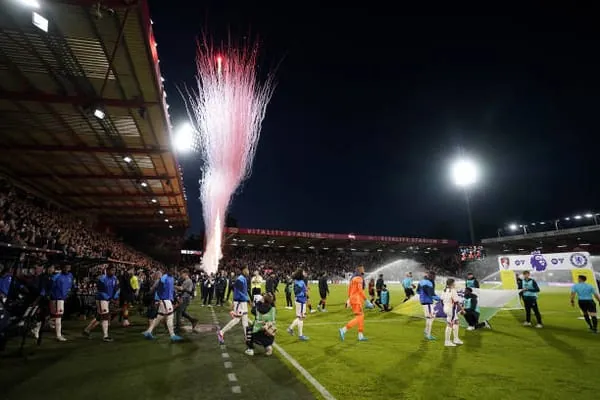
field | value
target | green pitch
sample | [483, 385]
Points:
[511, 361]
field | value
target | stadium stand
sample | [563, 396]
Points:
[337, 254]
[83, 117]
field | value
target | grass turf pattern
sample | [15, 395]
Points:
[511, 361]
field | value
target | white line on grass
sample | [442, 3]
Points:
[227, 364]
[320, 388]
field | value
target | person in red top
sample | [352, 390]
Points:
[356, 300]
[372, 290]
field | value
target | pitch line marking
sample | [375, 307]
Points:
[232, 377]
[320, 388]
[228, 364]
[236, 389]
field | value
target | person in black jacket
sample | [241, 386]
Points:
[323, 292]
[220, 286]
[230, 285]
[379, 285]
[271, 287]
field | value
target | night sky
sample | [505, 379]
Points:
[372, 106]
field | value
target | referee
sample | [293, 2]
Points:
[585, 296]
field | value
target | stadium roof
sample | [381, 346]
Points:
[327, 241]
[583, 238]
[83, 117]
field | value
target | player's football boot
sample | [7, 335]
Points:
[457, 341]
[342, 334]
[303, 338]
[429, 337]
[449, 344]
[249, 352]
[176, 338]
[148, 335]
[290, 331]
[220, 337]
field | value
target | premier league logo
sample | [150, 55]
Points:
[538, 262]
[579, 260]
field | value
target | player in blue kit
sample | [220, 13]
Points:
[585, 295]
[301, 292]
[61, 286]
[108, 290]
[239, 307]
[165, 292]
[427, 296]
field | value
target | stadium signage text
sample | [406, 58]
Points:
[337, 236]
[544, 262]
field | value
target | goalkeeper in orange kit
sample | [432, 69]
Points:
[356, 300]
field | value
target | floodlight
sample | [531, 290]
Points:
[127, 159]
[183, 141]
[30, 3]
[99, 113]
[154, 201]
[39, 21]
[464, 172]
[513, 227]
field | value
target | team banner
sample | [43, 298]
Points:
[538, 262]
[339, 236]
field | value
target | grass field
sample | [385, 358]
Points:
[513, 362]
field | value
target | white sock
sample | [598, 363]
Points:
[105, 327]
[294, 323]
[245, 322]
[428, 326]
[344, 329]
[300, 327]
[455, 329]
[230, 325]
[448, 333]
[36, 329]
[58, 326]
[170, 327]
[360, 335]
[155, 322]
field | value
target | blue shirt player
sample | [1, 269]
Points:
[427, 297]
[239, 307]
[62, 283]
[107, 290]
[301, 294]
[164, 295]
[585, 295]
[407, 284]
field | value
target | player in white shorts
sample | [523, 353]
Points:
[239, 308]
[451, 301]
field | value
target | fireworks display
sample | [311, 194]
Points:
[228, 111]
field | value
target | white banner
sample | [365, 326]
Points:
[545, 262]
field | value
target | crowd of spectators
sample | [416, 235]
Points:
[28, 221]
[337, 264]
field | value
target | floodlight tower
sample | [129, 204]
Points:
[465, 175]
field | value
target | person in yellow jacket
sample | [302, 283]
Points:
[256, 284]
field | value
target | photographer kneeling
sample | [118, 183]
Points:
[263, 330]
